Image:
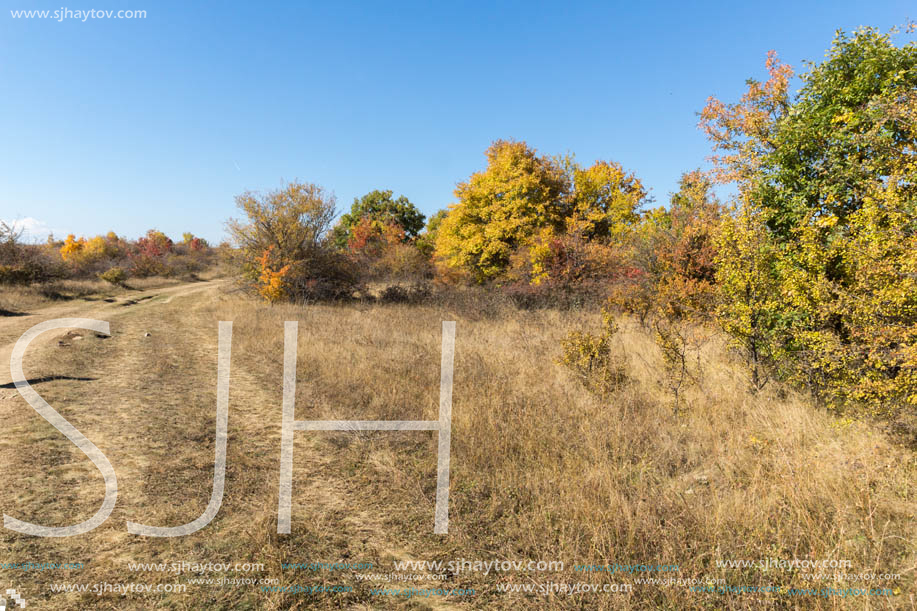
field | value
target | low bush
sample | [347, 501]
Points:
[114, 275]
[590, 358]
[27, 273]
[416, 293]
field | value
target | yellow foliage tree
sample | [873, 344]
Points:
[72, 248]
[523, 200]
[605, 200]
[83, 252]
[501, 208]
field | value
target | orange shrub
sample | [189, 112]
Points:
[272, 285]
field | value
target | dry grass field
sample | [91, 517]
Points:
[541, 468]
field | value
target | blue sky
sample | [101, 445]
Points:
[125, 125]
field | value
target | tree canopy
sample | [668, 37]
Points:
[816, 263]
[522, 198]
[380, 208]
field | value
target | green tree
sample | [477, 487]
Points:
[839, 136]
[426, 241]
[814, 262]
[381, 207]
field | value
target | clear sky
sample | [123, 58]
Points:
[128, 124]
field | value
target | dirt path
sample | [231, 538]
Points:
[145, 395]
[11, 327]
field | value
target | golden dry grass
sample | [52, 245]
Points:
[541, 468]
[544, 470]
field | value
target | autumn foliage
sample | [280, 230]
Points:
[271, 283]
[285, 248]
[108, 257]
[548, 207]
[808, 266]
[816, 259]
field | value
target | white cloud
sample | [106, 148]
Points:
[33, 230]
